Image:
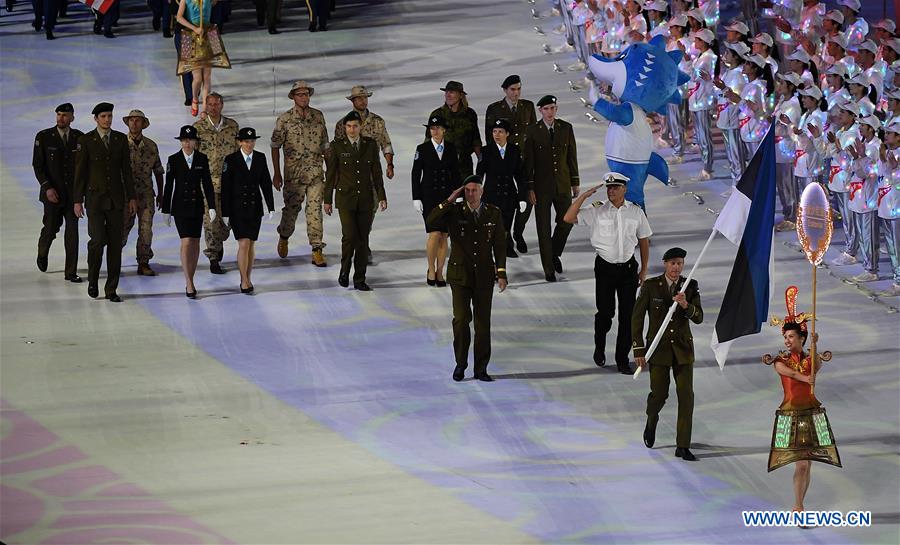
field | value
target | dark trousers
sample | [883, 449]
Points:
[551, 245]
[105, 229]
[53, 220]
[469, 302]
[46, 11]
[355, 227]
[614, 281]
[508, 206]
[684, 389]
[161, 13]
[108, 19]
[318, 12]
[187, 79]
[267, 13]
[521, 220]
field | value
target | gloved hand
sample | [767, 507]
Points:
[168, 219]
[225, 221]
[593, 94]
[212, 214]
[271, 214]
[418, 206]
[522, 206]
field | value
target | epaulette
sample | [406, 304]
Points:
[598, 203]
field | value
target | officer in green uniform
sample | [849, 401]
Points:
[104, 185]
[54, 167]
[462, 126]
[520, 113]
[675, 350]
[354, 171]
[477, 261]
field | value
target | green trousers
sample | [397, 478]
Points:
[684, 389]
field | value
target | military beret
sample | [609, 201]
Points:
[502, 124]
[511, 80]
[473, 179]
[352, 116]
[546, 99]
[247, 133]
[65, 108]
[101, 108]
[674, 253]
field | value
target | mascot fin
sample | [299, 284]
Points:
[658, 168]
[676, 55]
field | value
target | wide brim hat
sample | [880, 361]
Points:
[247, 133]
[188, 132]
[436, 121]
[300, 84]
[454, 86]
[359, 91]
[136, 113]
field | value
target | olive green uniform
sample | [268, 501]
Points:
[462, 131]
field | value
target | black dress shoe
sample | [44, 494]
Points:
[312, 27]
[187, 102]
[557, 265]
[215, 267]
[113, 298]
[42, 263]
[50, 35]
[246, 290]
[520, 244]
[37, 25]
[440, 283]
[168, 34]
[599, 358]
[73, 278]
[459, 373]
[343, 280]
[484, 377]
[324, 28]
[685, 454]
[190, 294]
[109, 34]
[550, 277]
[625, 369]
[650, 432]
[93, 291]
[98, 28]
[429, 281]
[156, 25]
[274, 31]
[362, 286]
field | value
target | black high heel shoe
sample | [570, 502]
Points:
[440, 283]
[191, 294]
[247, 290]
[430, 281]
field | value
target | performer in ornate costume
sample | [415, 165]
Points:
[201, 49]
[802, 433]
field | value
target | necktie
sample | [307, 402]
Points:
[189, 160]
[502, 153]
[440, 148]
[356, 146]
[514, 110]
[248, 160]
[551, 134]
[66, 137]
[475, 213]
[106, 140]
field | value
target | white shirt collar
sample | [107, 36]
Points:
[246, 155]
[187, 157]
[436, 144]
[510, 104]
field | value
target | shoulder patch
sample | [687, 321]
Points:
[37, 143]
[416, 158]
[598, 203]
[224, 167]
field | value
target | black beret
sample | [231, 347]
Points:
[101, 108]
[65, 108]
[546, 99]
[511, 80]
[473, 179]
[247, 133]
[673, 253]
[352, 116]
[502, 124]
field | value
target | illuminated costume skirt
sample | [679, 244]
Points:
[202, 50]
[802, 435]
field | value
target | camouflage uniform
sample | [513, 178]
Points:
[145, 164]
[304, 141]
[373, 127]
[216, 144]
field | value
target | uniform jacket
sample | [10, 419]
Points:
[503, 177]
[520, 121]
[241, 188]
[217, 144]
[462, 131]
[103, 175]
[354, 174]
[478, 247]
[433, 179]
[186, 188]
[551, 166]
[677, 343]
[54, 163]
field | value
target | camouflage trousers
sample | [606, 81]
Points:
[146, 207]
[216, 231]
[295, 192]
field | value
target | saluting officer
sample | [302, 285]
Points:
[354, 171]
[675, 350]
[520, 114]
[477, 262]
[103, 182]
[54, 167]
[551, 166]
[502, 168]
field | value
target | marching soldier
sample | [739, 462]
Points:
[354, 171]
[520, 114]
[474, 227]
[218, 139]
[502, 167]
[675, 350]
[462, 125]
[373, 127]
[551, 167]
[145, 164]
[54, 167]
[301, 131]
[104, 185]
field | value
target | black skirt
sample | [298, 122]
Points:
[246, 227]
[189, 227]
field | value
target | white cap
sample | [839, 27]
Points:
[738, 26]
[697, 14]
[894, 94]
[839, 39]
[859, 79]
[800, 55]
[835, 16]
[790, 77]
[837, 70]
[740, 48]
[852, 4]
[756, 59]
[867, 45]
[871, 121]
[886, 24]
[763, 38]
[893, 43]
[706, 35]
[614, 178]
[656, 5]
[851, 107]
[812, 91]
[893, 127]
[679, 20]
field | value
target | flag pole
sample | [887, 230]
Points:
[652, 348]
[812, 387]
